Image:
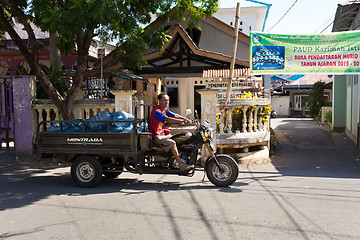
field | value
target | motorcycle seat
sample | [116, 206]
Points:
[155, 147]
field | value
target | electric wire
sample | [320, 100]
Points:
[283, 16]
[324, 24]
[245, 23]
[327, 27]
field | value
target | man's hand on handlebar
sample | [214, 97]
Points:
[187, 121]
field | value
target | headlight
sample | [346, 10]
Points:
[206, 124]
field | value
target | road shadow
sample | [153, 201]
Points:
[24, 183]
[305, 148]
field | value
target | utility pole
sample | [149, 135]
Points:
[233, 57]
[102, 82]
[232, 64]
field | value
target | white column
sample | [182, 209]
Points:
[222, 121]
[251, 119]
[244, 125]
[208, 106]
[230, 120]
[123, 100]
[48, 110]
[256, 127]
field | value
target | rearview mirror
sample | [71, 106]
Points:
[188, 112]
[196, 115]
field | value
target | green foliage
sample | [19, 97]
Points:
[328, 116]
[319, 115]
[111, 20]
[237, 119]
[76, 22]
[316, 98]
[116, 20]
[2, 33]
[56, 78]
[328, 120]
[237, 115]
[217, 122]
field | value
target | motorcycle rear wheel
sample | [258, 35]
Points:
[86, 171]
[226, 178]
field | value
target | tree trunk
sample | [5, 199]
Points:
[65, 106]
[55, 55]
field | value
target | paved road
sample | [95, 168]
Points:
[306, 145]
[292, 198]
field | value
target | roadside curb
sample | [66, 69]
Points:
[254, 157]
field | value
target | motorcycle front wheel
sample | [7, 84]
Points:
[222, 178]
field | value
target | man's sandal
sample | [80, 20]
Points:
[188, 168]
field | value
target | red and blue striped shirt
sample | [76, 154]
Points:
[157, 118]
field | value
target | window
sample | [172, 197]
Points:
[301, 102]
[133, 85]
[173, 96]
[195, 35]
[145, 86]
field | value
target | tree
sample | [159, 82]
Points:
[316, 98]
[76, 22]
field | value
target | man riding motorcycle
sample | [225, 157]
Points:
[160, 134]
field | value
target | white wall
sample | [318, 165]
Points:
[220, 42]
[280, 104]
[186, 92]
[249, 17]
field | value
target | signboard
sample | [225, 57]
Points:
[237, 87]
[334, 53]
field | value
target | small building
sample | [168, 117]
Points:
[292, 99]
[178, 68]
[12, 62]
[253, 16]
[346, 90]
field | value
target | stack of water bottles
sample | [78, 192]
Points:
[118, 122]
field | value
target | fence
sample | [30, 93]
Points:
[83, 109]
[244, 115]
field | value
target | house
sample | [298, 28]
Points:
[12, 62]
[292, 98]
[346, 109]
[13, 67]
[178, 68]
[191, 61]
[253, 16]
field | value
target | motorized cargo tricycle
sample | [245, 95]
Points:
[108, 153]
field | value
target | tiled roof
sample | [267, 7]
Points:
[310, 79]
[225, 73]
[350, 2]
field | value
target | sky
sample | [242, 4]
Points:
[305, 17]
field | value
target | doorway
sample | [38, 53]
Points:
[7, 112]
[197, 100]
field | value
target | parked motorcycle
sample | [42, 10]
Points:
[273, 114]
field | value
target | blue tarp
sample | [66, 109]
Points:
[118, 122]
